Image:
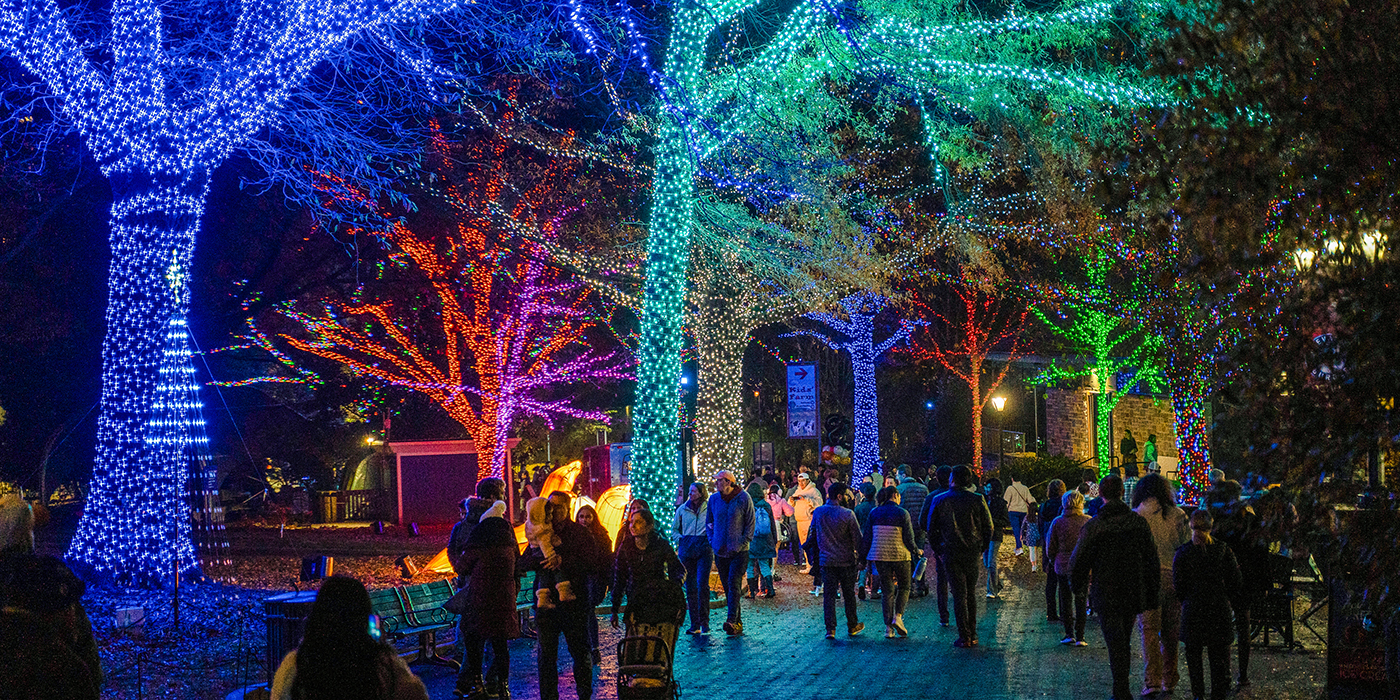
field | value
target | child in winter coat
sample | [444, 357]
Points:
[539, 532]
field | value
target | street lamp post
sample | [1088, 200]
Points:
[999, 403]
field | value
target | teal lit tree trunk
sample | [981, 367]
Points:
[656, 445]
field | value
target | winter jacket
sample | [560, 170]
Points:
[837, 535]
[406, 685]
[729, 523]
[889, 535]
[689, 525]
[457, 541]
[1207, 578]
[960, 526]
[1049, 510]
[1001, 518]
[781, 508]
[1169, 532]
[763, 546]
[804, 502]
[923, 518]
[578, 555]
[487, 563]
[912, 495]
[651, 578]
[1019, 498]
[1064, 534]
[1117, 551]
[1237, 525]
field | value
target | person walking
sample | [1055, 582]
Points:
[942, 478]
[1116, 560]
[729, 524]
[1000, 522]
[1064, 534]
[1019, 502]
[1239, 527]
[601, 579]
[960, 528]
[650, 573]
[837, 541]
[862, 511]
[696, 555]
[783, 515]
[575, 559]
[804, 499]
[1207, 579]
[487, 605]
[340, 656]
[488, 492]
[1160, 624]
[912, 494]
[764, 546]
[1127, 447]
[1049, 510]
[890, 544]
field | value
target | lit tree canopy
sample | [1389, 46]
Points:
[500, 330]
[162, 93]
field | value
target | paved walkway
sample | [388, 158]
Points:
[783, 655]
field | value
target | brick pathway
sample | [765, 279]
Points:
[783, 655]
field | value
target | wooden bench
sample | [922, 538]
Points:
[416, 610]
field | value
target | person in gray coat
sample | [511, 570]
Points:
[836, 538]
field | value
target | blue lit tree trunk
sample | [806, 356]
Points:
[157, 134]
[856, 336]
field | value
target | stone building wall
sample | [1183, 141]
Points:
[1069, 430]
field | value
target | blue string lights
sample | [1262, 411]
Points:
[161, 103]
[856, 336]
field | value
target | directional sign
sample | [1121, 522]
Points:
[802, 416]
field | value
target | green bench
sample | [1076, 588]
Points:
[416, 611]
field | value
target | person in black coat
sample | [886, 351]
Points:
[649, 572]
[487, 563]
[575, 559]
[1239, 527]
[960, 528]
[1049, 510]
[1117, 551]
[1207, 579]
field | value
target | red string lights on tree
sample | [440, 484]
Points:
[499, 328]
[962, 330]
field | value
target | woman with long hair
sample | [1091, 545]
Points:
[697, 556]
[598, 582]
[340, 657]
[650, 573]
[1160, 625]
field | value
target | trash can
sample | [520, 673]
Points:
[286, 623]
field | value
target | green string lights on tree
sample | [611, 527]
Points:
[1097, 319]
[741, 76]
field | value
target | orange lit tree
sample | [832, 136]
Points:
[965, 325]
[489, 327]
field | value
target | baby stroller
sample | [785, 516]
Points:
[644, 670]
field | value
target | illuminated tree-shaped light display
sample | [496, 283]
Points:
[161, 101]
[738, 70]
[1095, 318]
[507, 328]
[963, 329]
[856, 336]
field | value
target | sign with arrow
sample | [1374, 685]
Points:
[802, 415]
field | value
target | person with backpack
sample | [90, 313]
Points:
[764, 547]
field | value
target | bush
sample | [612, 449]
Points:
[1036, 472]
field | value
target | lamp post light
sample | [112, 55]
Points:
[999, 403]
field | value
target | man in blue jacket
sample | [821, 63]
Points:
[729, 523]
